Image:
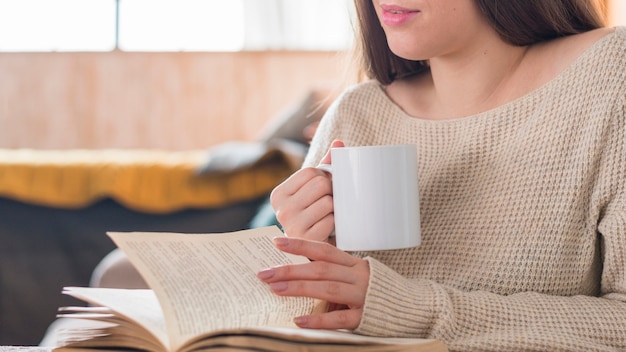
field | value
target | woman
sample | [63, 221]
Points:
[518, 112]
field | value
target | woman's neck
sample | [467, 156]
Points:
[481, 77]
[484, 79]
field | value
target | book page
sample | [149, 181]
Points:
[140, 306]
[207, 282]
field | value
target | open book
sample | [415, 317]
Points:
[205, 296]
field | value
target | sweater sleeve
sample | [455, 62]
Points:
[480, 320]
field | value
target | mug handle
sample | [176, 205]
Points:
[325, 167]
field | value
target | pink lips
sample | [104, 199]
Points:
[395, 15]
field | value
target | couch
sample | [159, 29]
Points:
[57, 205]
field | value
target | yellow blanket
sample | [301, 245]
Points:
[144, 180]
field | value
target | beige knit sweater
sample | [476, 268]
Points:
[523, 212]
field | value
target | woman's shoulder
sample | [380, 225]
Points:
[584, 40]
[365, 88]
[566, 50]
[590, 53]
[361, 103]
[366, 94]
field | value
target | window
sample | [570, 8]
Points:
[298, 24]
[57, 25]
[174, 25]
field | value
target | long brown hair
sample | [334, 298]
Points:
[518, 22]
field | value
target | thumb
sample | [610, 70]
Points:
[337, 143]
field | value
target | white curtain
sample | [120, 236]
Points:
[298, 24]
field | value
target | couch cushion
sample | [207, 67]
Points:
[144, 180]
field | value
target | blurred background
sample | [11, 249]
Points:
[173, 74]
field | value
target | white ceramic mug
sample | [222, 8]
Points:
[375, 196]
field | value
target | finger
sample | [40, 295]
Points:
[313, 271]
[321, 230]
[318, 231]
[338, 319]
[315, 197]
[294, 183]
[331, 291]
[321, 251]
[308, 213]
[337, 143]
[302, 188]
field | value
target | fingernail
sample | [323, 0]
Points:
[266, 274]
[281, 241]
[301, 321]
[278, 286]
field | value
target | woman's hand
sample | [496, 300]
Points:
[332, 275]
[304, 204]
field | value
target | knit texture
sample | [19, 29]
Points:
[523, 214]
